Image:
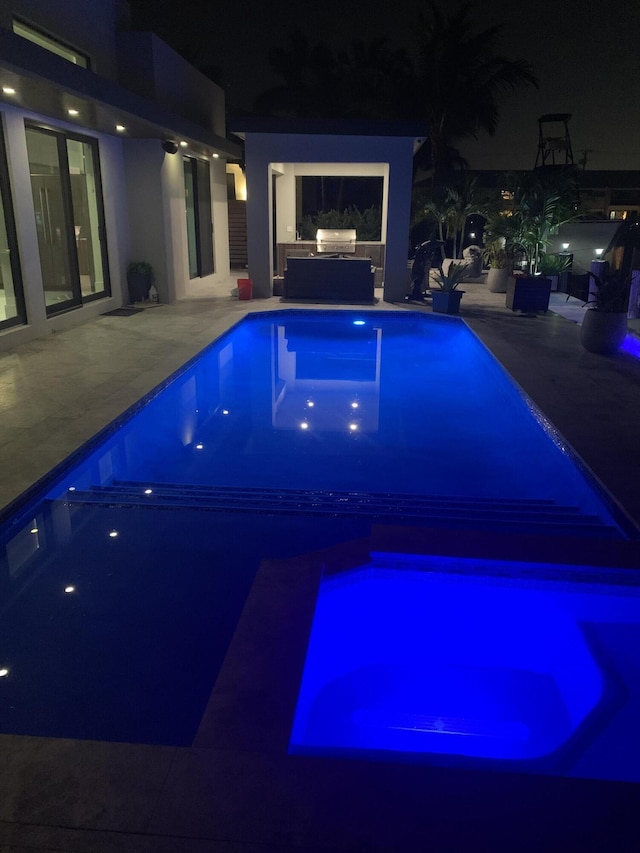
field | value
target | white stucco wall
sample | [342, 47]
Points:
[148, 169]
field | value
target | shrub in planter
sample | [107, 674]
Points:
[139, 279]
[604, 326]
[446, 298]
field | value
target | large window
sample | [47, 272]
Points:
[67, 52]
[11, 298]
[67, 200]
[197, 192]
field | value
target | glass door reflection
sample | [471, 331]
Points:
[52, 220]
[67, 200]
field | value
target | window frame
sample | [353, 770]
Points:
[54, 40]
[6, 199]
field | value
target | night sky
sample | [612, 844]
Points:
[586, 54]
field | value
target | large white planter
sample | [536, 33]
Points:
[497, 279]
[603, 332]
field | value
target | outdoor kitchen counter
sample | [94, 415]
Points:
[335, 279]
[304, 248]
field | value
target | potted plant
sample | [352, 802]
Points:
[499, 261]
[139, 279]
[446, 298]
[605, 322]
[552, 267]
[541, 203]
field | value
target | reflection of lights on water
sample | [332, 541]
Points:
[310, 404]
[355, 405]
[69, 589]
[4, 672]
[148, 491]
[199, 446]
[304, 425]
[113, 534]
[353, 427]
[225, 411]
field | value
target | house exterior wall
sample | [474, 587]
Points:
[151, 68]
[143, 187]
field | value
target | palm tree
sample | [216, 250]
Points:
[461, 81]
[307, 72]
[451, 207]
[542, 202]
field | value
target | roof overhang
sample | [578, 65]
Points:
[240, 126]
[49, 85]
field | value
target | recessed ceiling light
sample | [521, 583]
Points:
[69, 589]
[120, 128]
[215, 156]
[4, 672]
[113, 534]
[73, 112]
[8, 90]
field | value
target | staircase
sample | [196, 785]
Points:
[542, 517]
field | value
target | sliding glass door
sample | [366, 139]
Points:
[67, 200]
[12, 310]
[197, 193]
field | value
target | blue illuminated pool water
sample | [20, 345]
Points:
[443, 660]
[123, 578]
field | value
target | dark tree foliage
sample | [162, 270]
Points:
[456, 83]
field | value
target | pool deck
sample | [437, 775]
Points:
[236, 790]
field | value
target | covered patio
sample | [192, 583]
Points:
[277, 151]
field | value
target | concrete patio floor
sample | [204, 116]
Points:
[236, 790]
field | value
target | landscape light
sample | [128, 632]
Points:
[599, 252]
[565, 246]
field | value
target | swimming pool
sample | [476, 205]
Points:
[124, 575]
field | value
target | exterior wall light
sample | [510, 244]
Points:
[169, 146]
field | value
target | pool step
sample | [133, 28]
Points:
[523, 515]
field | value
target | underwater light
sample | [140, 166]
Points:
[358, 322]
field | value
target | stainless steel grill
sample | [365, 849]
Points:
[341, 240]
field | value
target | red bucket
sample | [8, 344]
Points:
[245, 288]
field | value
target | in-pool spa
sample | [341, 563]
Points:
[124, 574]
[446, 661]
